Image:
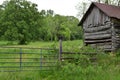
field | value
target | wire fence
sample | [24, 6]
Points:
[27, 59]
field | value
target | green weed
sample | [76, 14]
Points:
[107, 67]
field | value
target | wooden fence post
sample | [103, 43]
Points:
[60, 49]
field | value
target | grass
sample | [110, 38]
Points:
[107, 67]
[68, 72]
[35, 58]
[42, 44]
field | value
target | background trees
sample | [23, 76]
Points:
[56, 26]
[21, 21]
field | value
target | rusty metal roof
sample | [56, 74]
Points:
[109, 10]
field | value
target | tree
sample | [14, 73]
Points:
[83, 6]
[47, 29]
[2, 29]
[60, 27]
[76, 32]
[21, 21]
[66, 27]
[111, 2]
[56, 26]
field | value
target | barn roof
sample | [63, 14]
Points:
[109, 10]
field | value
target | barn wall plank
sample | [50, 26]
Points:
[100, 36]
[97, 29]
[97, 41]
[104, 46]
[98, 33]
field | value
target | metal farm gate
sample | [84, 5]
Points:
[27, 59]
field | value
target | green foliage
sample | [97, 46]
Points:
[70, 71]
[19, 21]
[107, 65]
[56, 26]
[82, 60]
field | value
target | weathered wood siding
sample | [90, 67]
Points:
[98, 30]
[116, 35]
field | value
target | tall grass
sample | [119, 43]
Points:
[67, 72]
[107, 67]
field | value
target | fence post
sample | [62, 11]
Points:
[60, 49]
[20, 58]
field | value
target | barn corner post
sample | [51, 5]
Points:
[113, 38]
[60, 48]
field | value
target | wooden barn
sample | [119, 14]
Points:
[101, 26]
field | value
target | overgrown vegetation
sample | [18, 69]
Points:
[106, 66]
